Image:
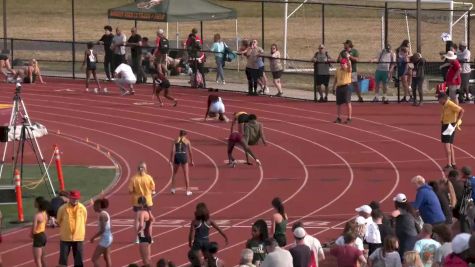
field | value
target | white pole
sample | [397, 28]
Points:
[167, 30]
[465, 34]
[285, 27]
[177, 36]
[237, 45]
[408, 33]
[382, 32]
[451, 18]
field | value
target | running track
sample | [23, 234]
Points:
[323, 171]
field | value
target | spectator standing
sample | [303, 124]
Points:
[212, 258]
[354, 56]
[276, 68]
[301, 254]
[350, 227]
[453, 79]
[106, 40]
[405, 226]
[279, 222]
[246, 258]
[38, 231]
[72, 219]
[277, 256]
[426, 246]
[384, 72]
[218, 49]
[321, 72]
[412, 259]
[385, 229]
[252, 53]
[387, 255]
[135, 43]
[443, 235]
[314, 244]
[196, 57]
[451, 116]
[147, 52]
[427, 202]
[258, 236]
[118, 48]
[461, 251]
[464, 56]
[418, 75]
[342, 85]
[443, 200]
[348, 254]
[468, 177]
[104, 233]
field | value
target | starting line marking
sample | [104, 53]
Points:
[65, 90]
[144, 103]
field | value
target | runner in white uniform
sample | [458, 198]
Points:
[125, 79]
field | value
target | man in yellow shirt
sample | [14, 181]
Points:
[451, 115]
[72, 219]
[342, 83]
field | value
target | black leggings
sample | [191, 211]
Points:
[200, 67]
[247, 150]
[108, 65]
[252, 78]
[417, 83]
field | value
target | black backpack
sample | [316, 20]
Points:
[164, 46]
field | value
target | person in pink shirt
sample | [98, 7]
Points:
[453, 78]
[348, 255]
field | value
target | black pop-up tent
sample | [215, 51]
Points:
[172, 11]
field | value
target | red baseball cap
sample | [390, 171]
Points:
[74, 194]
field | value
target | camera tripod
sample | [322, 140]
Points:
[19, 115]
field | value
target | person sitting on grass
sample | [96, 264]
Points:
[30, 73]
[215, 108]
[342, 84]
[160, 82]
[90, 60]
[125, 79]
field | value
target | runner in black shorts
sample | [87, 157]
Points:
[38, 231]
[179, 157]
[144, 232]
[90, 60]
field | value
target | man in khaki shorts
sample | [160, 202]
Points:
[453, 79]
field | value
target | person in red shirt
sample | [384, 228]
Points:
[453, 79]
[348, 255]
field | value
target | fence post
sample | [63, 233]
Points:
[323, 23]
[468, 30]
[262, 24]
[74, 39]
[11, 49]
[386, 24]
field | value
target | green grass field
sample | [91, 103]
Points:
[90, 181]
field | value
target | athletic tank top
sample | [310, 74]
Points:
[202, 231]
[181, 146]
[91, 57]
[107, 228]
[280, 227]
[40, 228]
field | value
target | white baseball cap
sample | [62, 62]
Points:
[365, 209]
[400, 198]
[460, 243]
[299, 232]
[360, 220]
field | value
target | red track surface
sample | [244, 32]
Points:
[323, 171]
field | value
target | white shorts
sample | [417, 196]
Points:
[354, 77]
[217, 107]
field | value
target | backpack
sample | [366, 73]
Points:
[164, 46]
[196, 80]
[228, 54]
